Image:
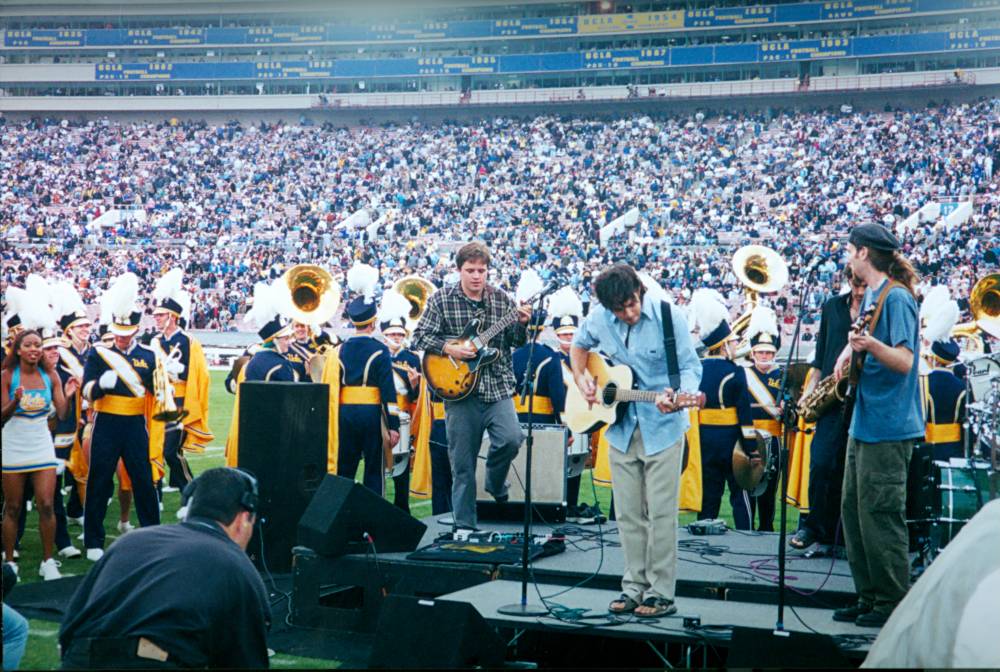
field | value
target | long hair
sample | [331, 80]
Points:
[13, 360]
[896, 266]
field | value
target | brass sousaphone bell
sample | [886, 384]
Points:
[984, 304]
[762, 271]
[312, 298]
[416, 290]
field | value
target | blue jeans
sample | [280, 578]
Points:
[15, 637]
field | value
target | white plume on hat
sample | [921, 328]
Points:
[763, 320]
[121, 295]
[14, 298]
[529, 285]
[394, 306]
[938, 314]
[708, 310]
[452, 279]
[653, 288]
[363, 279]
[169, 286]
[266, 304]
[36, 313]
[565, 302]
[184, 299]
[65, 299]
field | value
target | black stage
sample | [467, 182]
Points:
[329, 607]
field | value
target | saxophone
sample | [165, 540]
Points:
[828, 391]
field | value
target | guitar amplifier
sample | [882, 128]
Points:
[548, 468]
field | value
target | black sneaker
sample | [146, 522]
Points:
[871, 619]
[852, 613]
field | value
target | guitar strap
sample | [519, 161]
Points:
[670, 346]
[880, 304]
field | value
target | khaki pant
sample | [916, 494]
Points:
[646, 489]
[873, 514]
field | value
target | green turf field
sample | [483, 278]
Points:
[42, 653]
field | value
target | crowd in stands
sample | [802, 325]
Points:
[234, 203]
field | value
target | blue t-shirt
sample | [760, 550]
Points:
[888, 403]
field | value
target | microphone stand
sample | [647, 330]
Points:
[789, 418]
[522, 608]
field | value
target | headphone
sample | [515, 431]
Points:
[249, 499]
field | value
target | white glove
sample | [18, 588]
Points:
[173, 367]
[108, 380]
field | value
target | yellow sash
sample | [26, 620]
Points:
[121, 366]
[943, 432]
[233, 440]
[542, 405]
[331, 377]
[421, 425]
[718, 416]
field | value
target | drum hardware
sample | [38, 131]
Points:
[401, 451]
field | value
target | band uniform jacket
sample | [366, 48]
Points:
[944, 408]
[549, 386]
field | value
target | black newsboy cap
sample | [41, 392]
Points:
[874, 236]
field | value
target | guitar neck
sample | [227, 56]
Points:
[636, 395]
[505, 321]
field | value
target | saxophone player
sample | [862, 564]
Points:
[829, 444]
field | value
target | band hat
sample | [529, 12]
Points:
[566, 310]
[710, 317]
[167, 292]
[537, 321]
[762, 330]
[875, 236]
[276, 328]
[118, 303]
[393, 313]
[265, 312]
[362, 279]
[52, 339]
[946, 352]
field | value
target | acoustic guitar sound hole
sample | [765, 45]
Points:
[608, 394]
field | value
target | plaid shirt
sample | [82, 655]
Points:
[449, 310]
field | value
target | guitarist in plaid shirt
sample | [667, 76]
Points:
[490, 406]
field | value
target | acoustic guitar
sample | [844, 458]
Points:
[861, 326]
[455, 379]
[614, 391]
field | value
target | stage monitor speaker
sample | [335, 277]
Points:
[756, 648]
[280, 445]
[342, 512]
[434, 634]
[548, 467]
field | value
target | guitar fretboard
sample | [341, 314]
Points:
[636, 395]
[508, 319]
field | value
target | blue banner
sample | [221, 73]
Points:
[595, 59]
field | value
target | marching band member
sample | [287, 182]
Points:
[943, 392]
[764, 384]
[308, 340]
[30, 389]
[406, 375]
[73, 353]
[269, 362]
[726, 418]
[117, 382]
[367, 390]
[184, 353]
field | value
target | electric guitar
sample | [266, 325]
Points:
[453, 379]
[860, 326]
[614, 391]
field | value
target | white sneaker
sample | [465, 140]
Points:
[124, 527]
[49, 570]
[170, 488]
[78, 522]
[70, 552]
[16, 556]
[80, 537]
[13, 565]
[95, 554]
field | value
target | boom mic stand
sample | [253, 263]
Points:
[522, 608]
[789, 418]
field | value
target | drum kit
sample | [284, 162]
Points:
[962, 486]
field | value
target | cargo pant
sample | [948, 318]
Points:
[873, 514]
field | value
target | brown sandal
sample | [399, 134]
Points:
[628, 605]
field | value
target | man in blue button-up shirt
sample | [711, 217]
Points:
[646, 443]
